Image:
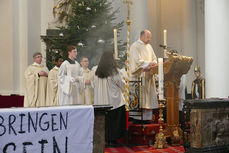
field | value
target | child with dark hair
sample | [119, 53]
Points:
[52, 84]
[110, 86]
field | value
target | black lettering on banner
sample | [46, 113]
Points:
[55, 146]
[47, 123]
[65, 123]
[53, 123]
[11, 122]
[2, 126]
[26, 144]
[42, 142]
[66, 145]
[9, 144]
[21, 123]
[30, 122]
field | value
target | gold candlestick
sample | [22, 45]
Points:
[128, 3]
[160, 138]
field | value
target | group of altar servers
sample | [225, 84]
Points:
[70, 83]
[73, 83]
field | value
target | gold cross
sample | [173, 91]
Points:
[128, 2]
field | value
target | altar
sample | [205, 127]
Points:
[209, 125]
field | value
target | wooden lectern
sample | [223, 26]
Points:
[174, 68]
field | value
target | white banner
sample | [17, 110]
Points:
[67, 129]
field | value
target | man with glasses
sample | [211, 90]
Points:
[36, 76]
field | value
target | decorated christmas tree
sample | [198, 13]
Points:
[89, 26]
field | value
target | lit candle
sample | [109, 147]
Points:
[115, 44]
[165, 43]
[160, 79]
[165, 37]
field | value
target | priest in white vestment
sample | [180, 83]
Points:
[70, 80]
[142, 58]
[35, 83]
[86, 94]
[52, 85]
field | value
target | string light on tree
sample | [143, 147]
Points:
[93, 26]
[80, 44]
[88, 9]
[61, 34]
[101, 41]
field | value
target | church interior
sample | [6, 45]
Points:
[191, 37]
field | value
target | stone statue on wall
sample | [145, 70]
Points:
[60, 11]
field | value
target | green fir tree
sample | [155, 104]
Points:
[89, 28]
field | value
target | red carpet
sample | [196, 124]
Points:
[144, 149]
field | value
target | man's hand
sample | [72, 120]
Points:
[152, 64]
[43, 73]
[87, 82]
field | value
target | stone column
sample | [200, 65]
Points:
[6, 47]
[217, 48]
[20, 44]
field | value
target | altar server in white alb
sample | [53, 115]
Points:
[52, 85]
[142, 58]
[110, 85]
[70, 80]
[35, 83]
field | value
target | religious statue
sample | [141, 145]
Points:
[60, 11]
[198, 85]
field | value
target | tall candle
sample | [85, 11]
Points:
[160, 79]
[165, 43]
[165, 37]
[115, 44]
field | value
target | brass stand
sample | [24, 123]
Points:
[160, 142]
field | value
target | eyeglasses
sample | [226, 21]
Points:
[38, 57]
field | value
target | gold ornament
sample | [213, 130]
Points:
[197, 69]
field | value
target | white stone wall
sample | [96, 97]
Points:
[6, 46]
[184, 21]
[23, 21]
[217, 48]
